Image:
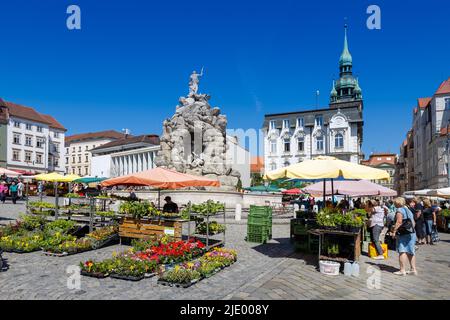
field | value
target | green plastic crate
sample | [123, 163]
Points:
[256, 238]
[258, 220]
[259, 228]
[260, 209]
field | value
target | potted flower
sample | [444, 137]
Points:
[126, 268]
[180, 276]
[94, 269]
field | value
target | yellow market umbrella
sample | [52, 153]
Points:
[51, 177]
[70, 178]
[325, 167]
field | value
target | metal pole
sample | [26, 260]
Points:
[332, 191]
[56, 201]
[91, 215]
[324, 191]
[26, 194]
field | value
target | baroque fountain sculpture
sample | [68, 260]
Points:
[194, 139]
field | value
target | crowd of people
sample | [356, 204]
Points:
[14, 188]
[409, 223]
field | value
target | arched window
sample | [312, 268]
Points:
[319, 143]
[339, 141]
[287, 164]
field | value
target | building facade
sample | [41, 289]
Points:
[336, 130]
[30, 142]
[124, 156]
[424, 159]
[78, 150]
[383, 161]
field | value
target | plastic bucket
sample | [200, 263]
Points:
[329, 267]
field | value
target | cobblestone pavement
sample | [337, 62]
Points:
[270, 271]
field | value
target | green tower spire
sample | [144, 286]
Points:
[346, 57]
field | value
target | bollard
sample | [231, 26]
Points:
[238, 212]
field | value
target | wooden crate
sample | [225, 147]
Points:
[140, 229]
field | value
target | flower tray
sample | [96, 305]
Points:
[178, 285]
[18, 251]
[129, 278]
[149, 275]
[63, 254]
[97, 275]
[105, 242]
[54, 254]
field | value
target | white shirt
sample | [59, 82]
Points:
[377, 217]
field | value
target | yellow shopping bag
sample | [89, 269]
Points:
[373, 251]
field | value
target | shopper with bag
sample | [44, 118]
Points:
[376, 224]
[429, 216]
[404, 232]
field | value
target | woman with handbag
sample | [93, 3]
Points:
[405, 234]
[429, 215]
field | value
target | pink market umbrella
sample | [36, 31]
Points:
[8, 173]
[351, 188]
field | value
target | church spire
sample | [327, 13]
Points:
[345, 62]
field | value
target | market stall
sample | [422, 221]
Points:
[342, 232]
[132, 225]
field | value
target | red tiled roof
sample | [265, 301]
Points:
[147, 138]
[376, 159]
[28, 113]
[422, 103]
[257, 164]
[444, 87]
[53, 122]
[108, 134]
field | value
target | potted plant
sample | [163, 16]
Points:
[333, 250]
[94, 269]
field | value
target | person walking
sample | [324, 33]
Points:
[13, 190]
[3, 191]
[416, 208]
[404, 232]
[20, 187]
[429, 216]
[376, 224]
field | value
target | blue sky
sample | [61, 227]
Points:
[130, 62]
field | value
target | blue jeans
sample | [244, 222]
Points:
[429, 227]
[375, 232]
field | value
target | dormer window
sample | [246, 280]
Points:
[273, 124]
[319, 120]
[286, 124]
[300, 122]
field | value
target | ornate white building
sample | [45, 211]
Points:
[337, 130]
[30, 142]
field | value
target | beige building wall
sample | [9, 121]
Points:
[78, 156]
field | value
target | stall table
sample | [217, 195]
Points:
[146, 227]
[322, 233]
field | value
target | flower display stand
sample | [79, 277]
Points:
[143, 228]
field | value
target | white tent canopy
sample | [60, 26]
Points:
[442, 193]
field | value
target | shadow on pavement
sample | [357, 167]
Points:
[283, 248]
[383, 267]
